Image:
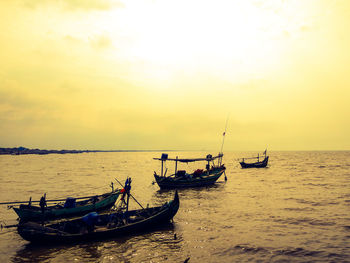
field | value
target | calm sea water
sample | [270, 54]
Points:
[297, 210]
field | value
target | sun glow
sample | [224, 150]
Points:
[159, 74]
[235, 40]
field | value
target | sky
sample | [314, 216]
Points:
[152, 75]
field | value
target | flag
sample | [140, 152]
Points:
[224, 134]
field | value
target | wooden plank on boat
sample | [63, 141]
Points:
[189, 160]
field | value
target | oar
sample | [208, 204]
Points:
[3, 225]
[8, 226]
[130, 194]
[225, 176]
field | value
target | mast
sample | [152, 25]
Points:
[223, 140]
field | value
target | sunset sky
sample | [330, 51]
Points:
[148, 74]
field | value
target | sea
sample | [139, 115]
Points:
[295, 210]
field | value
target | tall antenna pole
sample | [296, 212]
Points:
[223, 135]
[223, 140]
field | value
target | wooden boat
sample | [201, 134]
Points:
[96, 227]
[28, 212]
[258, 164]
[198, 178]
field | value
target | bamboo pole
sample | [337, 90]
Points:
[130, 194]
[176, 165]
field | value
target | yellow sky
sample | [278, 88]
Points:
[147, 74]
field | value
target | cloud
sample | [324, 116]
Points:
[74, 5]
[92, 4]
[72, 39]
[97, 41]
[101, 42]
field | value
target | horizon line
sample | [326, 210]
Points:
[173, 150]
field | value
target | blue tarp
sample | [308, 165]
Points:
[90, 218]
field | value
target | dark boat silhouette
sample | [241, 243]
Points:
[96, 227]
[258, 164]
[71, 207]
[197, 178]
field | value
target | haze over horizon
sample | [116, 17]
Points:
[148, 75]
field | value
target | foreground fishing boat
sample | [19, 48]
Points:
[258, 164]
[96, 227]
[71, 207]
[197, 178]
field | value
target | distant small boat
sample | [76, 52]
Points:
[71, 207]
[197, 178]
[96, 227]
[258, 164]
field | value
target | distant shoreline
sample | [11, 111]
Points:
[23, 150]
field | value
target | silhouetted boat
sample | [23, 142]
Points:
[198, 178]
[258, 164]
[71, 207]
[96, 227]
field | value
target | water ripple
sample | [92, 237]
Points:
[295, 211]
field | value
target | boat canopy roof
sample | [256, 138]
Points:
[208, 158]
[256, 157]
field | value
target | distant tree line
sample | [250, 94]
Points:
[23, 150]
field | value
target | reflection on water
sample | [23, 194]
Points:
[295, 210]
[112, 249]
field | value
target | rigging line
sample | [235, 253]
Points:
[130, 194]
[223, 139]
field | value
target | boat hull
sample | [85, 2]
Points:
[205, 180]
[36, 233]
[33, 213]
[261, 164]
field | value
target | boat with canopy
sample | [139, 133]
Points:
[181, 178]
[257, 164]
[200, 177]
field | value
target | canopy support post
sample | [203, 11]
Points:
[176, 165]
[161, 173]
